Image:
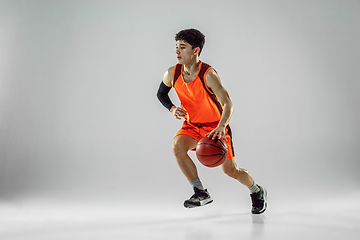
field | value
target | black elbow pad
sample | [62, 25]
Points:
[163, 96]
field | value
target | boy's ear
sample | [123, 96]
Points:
[197, 51]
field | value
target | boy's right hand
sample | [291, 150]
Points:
[178, 112]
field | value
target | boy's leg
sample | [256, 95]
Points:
[232, 170]
[181, 145]
[258, 193]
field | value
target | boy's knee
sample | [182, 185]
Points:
[178, 149]
[182, 144]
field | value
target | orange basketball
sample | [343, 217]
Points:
[211, 153]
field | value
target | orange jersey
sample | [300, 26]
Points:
[196, 98]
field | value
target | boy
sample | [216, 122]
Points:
[207, 109]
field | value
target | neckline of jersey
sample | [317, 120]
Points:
[182, 75]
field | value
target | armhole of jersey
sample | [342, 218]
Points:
[202, 76]
[205, 84]
[177, 73]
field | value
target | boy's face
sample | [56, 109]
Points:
[184, 52]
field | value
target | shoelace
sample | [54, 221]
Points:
[200, 193]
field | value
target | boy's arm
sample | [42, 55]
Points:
[214, 83]
[163, 95]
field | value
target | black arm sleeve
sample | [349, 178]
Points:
[163, 96]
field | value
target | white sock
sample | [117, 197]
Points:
[197, 183]
[254, 188]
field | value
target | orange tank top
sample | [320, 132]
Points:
[196, 98]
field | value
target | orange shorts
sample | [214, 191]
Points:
[199, 130]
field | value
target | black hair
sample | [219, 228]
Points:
[192, 36]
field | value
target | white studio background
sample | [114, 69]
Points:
[79, 118]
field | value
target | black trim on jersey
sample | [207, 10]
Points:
[177, 73]
[204, 68]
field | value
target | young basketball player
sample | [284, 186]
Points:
[207, 110]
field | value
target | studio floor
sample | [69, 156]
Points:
[337, 218]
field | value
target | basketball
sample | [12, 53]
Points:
[211, 153]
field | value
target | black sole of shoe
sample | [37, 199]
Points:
[190, 205]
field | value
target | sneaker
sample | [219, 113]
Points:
[200, 198]
[259, 201]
